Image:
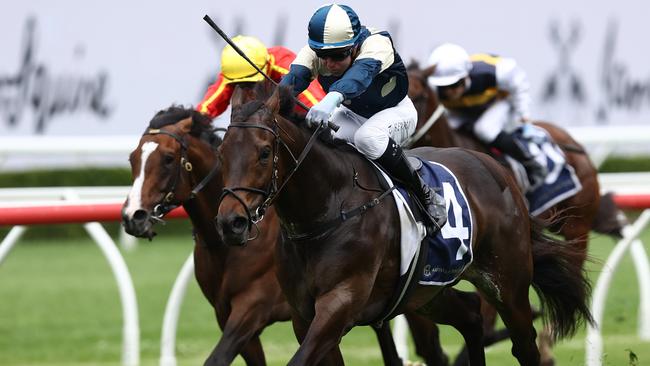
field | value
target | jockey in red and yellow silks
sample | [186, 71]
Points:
[275, 61]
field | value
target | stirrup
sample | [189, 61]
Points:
[435, 209]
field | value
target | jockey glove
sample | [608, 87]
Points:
[321, 112]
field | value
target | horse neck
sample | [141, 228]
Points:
[203, 208]
[311, 190]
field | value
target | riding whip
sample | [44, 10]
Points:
[241, 53]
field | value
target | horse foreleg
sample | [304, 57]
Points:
[462, 310]
[334, 315]
[387, 345]
[240, 333]
[426, 337]
[489, 314]
[300, 328]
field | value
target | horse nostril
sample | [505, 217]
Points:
[140, 215]
[239, 224]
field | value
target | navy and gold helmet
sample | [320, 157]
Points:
[333, 26]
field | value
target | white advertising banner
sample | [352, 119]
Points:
[72, 67]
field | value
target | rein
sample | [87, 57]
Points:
[427, 125]
[272, 192]
[163, 208]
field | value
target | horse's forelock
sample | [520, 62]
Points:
[170, 116]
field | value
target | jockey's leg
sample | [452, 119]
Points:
[535, 171]
[494, 128]
[379, 139]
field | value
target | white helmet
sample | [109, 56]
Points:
[452, 64]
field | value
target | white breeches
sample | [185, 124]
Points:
[370, 135]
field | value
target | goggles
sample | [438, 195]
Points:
[334, 54]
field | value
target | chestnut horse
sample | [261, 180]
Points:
[579, 212]
[338, 271]
[176, 163]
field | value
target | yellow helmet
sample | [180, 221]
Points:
[235, 69]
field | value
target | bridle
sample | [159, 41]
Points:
[167, 203]
[273, 190]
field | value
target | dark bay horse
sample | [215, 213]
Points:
[338, 272]
[176, 163]
[580, 213]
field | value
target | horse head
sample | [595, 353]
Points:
[164, 167]
[252, 168]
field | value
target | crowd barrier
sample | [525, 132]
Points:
[20, 207]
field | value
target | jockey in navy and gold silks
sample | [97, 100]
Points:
[366, 84]
[488, 96]
[274, 61]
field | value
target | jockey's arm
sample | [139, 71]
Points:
[299, 77]
[511, 78]
[216, 99]
[376, 55]
[302, 71]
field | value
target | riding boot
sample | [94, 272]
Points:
[397, 166]
[507, 144]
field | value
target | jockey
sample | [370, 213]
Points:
[274, 61]
[487, 95]
[366, 84]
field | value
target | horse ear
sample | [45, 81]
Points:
[428, 71]
[273, 103]
[239, 96]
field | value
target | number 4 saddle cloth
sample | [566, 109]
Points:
[449, 249]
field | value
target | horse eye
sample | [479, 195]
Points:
[168, 159]
[265, 153]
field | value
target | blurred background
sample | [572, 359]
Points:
[79, 81]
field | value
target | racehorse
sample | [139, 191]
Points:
[176, 163]
[580, 213]
[338, 264]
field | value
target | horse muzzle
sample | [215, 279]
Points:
[234, 229]
[139, 224]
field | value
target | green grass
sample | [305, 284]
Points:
[59, 305]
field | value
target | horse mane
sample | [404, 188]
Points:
[287, 110]
[201, 123]
[287, 105]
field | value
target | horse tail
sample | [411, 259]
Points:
[559, 280]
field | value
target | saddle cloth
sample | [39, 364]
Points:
[561, 181]
[449, 249]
